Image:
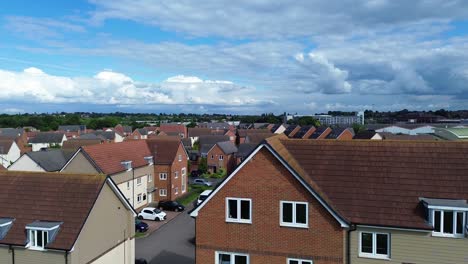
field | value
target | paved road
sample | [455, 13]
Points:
[172, 243]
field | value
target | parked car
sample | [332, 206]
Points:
[151, 213]
[141, 226]
[203, 196]
[202, 182]
[171, 206]
[141, 261]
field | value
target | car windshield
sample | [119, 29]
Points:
[203, 197]
[157, 211]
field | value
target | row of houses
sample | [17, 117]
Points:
[326, 201]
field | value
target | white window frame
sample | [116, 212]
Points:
[176, 174]
[232, 254]
[221, 157]
[162, 192]
[294, 224]
[180, 157]
[238, 219]
[454, 224]
[212, 156]
[32, 244]
[138, 181]
[374, 254]
[183, 171]
[176, 190]
[163, 176]
[150, 177]
[184, 183]
[139, 198]
[300, 261]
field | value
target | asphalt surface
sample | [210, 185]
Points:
[172, 243]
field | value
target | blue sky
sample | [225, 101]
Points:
[246, 56]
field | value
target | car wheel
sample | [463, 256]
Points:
[176, 210]
[140, 217]
[157, 219]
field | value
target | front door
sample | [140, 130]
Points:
[150, 197]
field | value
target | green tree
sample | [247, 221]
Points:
[203, 166]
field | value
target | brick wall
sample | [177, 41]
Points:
[267, 182]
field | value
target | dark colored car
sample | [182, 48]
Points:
[141, 261]
[171, 206]
[141, 226]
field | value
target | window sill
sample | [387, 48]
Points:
[36, 248]
[458, 236]
[294, 225]
[235, 221]
[369, 256]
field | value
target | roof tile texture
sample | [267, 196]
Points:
[380, 182]
[54, 197]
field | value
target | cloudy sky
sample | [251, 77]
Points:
[224, 56]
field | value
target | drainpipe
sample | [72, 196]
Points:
[348, 243]
[66, 257]
[12, 254]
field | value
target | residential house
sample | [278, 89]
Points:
[243, 133]
[72, 131]
[139, 133]
[341, 133]
[152, 129]
[75, 144]
[174, 128]
[19, 135]
[244, 150]
[170, 167]
[107, 136]
[123, 130]
[129, 164]
[304, 132]
[368, 134]
[2, 168]
[453, 134]
[321, 132]
[207, 142]
[222, 156]
[257, 138]
[216, 126]
[291, 130]
[387, 204]
[9, 152]
[47, 223]
[44, 140]
[42, 161]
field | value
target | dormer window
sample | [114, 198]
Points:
[41, 233]
[5, 225]
[448, 217]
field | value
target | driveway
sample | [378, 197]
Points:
[172, 243]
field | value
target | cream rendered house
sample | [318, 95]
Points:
[129, 164]
[97, 228]
[9, 152]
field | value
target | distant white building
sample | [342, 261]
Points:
[329, 120]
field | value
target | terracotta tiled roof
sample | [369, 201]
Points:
[380, 182]
[257, 138]
[74, 144]
[164, 148]
[167, 128]
[54, 197]
[108, 157]
[246, 132]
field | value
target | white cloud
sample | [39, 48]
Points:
[106, 87]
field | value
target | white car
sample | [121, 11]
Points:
[203, 196]
[151, 213]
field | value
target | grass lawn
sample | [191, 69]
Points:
[140, 234]
[194, 192]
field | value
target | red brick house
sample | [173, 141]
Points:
[341, 133]
[222, 156]
[316, 201]
[171, 128]
[170, 167]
